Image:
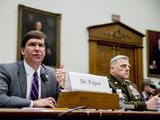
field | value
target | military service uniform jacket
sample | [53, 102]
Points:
[129, 90]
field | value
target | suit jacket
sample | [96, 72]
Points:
[129, 90]
[13, 85]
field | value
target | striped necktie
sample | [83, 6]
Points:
[35, 87]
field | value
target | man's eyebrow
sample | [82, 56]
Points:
[125, 65]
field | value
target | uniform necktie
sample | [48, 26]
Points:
[35, 87]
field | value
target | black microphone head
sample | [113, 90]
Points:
[44, 77]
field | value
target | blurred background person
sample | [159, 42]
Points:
[148, 89]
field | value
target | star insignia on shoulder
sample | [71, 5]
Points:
[115, 83]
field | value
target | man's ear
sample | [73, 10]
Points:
[22, 51]
[112, 67]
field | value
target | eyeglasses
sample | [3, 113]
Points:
[34, 45]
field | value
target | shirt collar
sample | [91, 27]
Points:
[122, 82]
[30, 71]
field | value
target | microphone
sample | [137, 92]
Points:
[44, 77]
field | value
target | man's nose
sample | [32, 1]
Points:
[37, 47]
[128, 68]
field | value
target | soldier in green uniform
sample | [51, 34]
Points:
[119, 79]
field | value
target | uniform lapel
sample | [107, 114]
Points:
[22, 79]
[126, 85]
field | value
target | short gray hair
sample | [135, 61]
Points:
[117, 58]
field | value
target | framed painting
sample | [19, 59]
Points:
[153, 53]
[47, 22]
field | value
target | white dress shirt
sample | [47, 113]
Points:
[29, 72]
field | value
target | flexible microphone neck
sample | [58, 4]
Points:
[71, 110]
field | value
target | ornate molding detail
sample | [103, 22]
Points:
[117, 34]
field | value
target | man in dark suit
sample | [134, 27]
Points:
[16, 79]
[119, 79]
[148, 89]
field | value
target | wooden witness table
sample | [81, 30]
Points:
[84, 114]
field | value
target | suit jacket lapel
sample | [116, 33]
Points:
[44, 88]
[22, 79]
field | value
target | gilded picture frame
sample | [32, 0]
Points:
[153, 53]
[49, 23]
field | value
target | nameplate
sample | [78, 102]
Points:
[87, 82]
